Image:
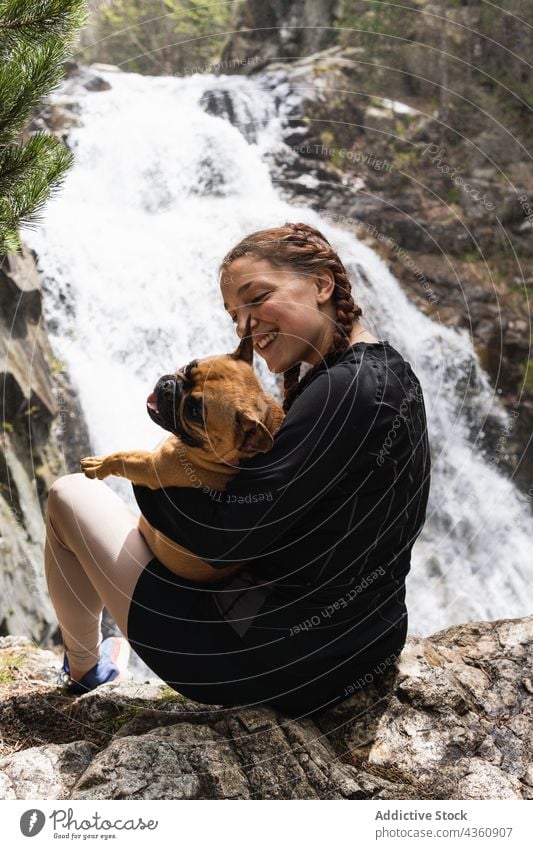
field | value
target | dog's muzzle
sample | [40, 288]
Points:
[164, 403]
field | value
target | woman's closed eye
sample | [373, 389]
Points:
[257, 300]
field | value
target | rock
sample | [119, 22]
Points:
[44, 772]
[269, 29]
[453, 720]
[20, 291]
[24, 347]
[517, 207]
[178, 762]
[218, 101]
[494, 144]
[104, 67]
[57, 118]
[97, 83]
[36, 404]
[458, 703]
[71, 68]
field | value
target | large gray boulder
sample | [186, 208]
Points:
[453, 720]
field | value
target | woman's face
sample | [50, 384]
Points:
[292, 316]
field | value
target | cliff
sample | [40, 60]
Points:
[42, 437]
[453, 720]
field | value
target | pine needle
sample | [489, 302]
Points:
[35, 39]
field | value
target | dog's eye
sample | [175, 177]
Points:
[193, 409]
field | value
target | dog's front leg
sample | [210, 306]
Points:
[137, 466]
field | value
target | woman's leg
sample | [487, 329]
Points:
[94, 555]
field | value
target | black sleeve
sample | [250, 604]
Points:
[315, 447]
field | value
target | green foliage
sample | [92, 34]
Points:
[370, 19]
[506, 51]
[528, 376]
[29, 174]
[453, 195]
[158, 36]
[57, 367]
[24, 23]
[9, 663]
[446, 50]
[35, 39]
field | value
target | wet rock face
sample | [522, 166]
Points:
[453, 720]
[219, 101]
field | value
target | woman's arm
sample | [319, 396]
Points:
[317, 444]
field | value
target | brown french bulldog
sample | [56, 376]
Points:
[218, 413]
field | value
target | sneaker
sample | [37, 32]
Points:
[113, 665]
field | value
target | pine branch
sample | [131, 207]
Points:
[9, 237]
[17, 160]
[25, 21]
[41, 183]
[24, 81]
[24, 201]
[35, 38]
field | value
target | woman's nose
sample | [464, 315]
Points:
[241, 322]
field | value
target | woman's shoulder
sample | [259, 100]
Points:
[364, 358]
[353, 377]
[368, 357]
[361, 375]
[362, 350]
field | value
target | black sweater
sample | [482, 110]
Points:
[325, 521]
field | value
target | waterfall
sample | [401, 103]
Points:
[159, 192]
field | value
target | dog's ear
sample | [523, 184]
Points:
[245, 348]
[256, 437]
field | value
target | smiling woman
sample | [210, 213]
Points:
[322, 530]
[299, 298]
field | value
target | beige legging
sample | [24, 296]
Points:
[93, 557]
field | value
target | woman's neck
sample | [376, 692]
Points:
[360, 334]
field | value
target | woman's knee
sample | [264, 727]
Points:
[64, 492]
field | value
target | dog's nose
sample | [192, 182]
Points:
[168, 389]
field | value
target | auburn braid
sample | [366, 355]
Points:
[305, 250]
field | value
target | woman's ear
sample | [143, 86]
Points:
[325, 285]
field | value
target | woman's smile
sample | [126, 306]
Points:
[265, 340]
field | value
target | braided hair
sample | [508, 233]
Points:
[304, 250]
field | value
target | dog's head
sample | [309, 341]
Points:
[218, 404]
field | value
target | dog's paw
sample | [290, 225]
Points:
[95, 467]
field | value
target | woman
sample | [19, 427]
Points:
[324, 522]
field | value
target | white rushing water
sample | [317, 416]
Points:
[129, 250]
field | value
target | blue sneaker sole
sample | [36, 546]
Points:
[112, 665]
